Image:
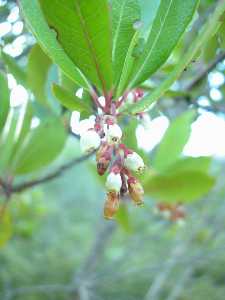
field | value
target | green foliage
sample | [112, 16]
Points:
[61, 218]
[37, 73]
[124, 15]
[173, 141]
[70, 100]
[169, 24]
[40, 147]
[90, 31]
[48, 40]
[148, 11]
[213, 23]
[13, 68]
[129, 62]
[23, 127]
[8, 139]
[201, 164]
[182, 186]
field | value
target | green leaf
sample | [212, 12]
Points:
[172, 18]
[37, 73]
[201, 164]
[183, 186]
[127, 66]
[148, 11]
[4, 100]
[210, 49]
[173, 142]
[69, 100]
[47, 39]
[41, 146]
[8, 139]
[22, 129]
[124, 14]
[13, 68]
[83, 30]
[67, 83]
[209, 29]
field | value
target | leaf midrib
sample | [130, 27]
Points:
[91, 48]
[153, 45]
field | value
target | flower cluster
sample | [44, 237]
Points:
[113, 157]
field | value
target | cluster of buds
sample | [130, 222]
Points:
[173, 212]
[115, 158]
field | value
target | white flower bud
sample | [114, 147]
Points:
[89, 141]
[134, 162]
[114, 133]
[113, 182]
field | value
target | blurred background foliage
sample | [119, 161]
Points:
[54, 243]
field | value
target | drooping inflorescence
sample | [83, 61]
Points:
[113, 157]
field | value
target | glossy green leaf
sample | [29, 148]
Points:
[13, 68]
[183, 186]
[4, 100]
[37, 73]
[41, 146]
[148, 11]
[129, 62]
[209, 29]
[201, 164]
[173, 16]
[173, 142]
[47, 39]
[221, 35]
[69, 100]
[67, 83]
[124, 15]
[83, 30]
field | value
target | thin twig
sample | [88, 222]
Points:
[205, 71]
[23, 186]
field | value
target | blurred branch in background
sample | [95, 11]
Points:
[82, 279]
[205, 71]
[8, 189]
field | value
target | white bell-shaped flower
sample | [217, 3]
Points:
[134, 162]
[89, 141]
[113, 182]
[86, 124]
[113, 133]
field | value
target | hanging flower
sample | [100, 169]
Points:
[113, 182]
[89, 141]
[111, 205]
[113, 133]
[136, 191]
[134, 162]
